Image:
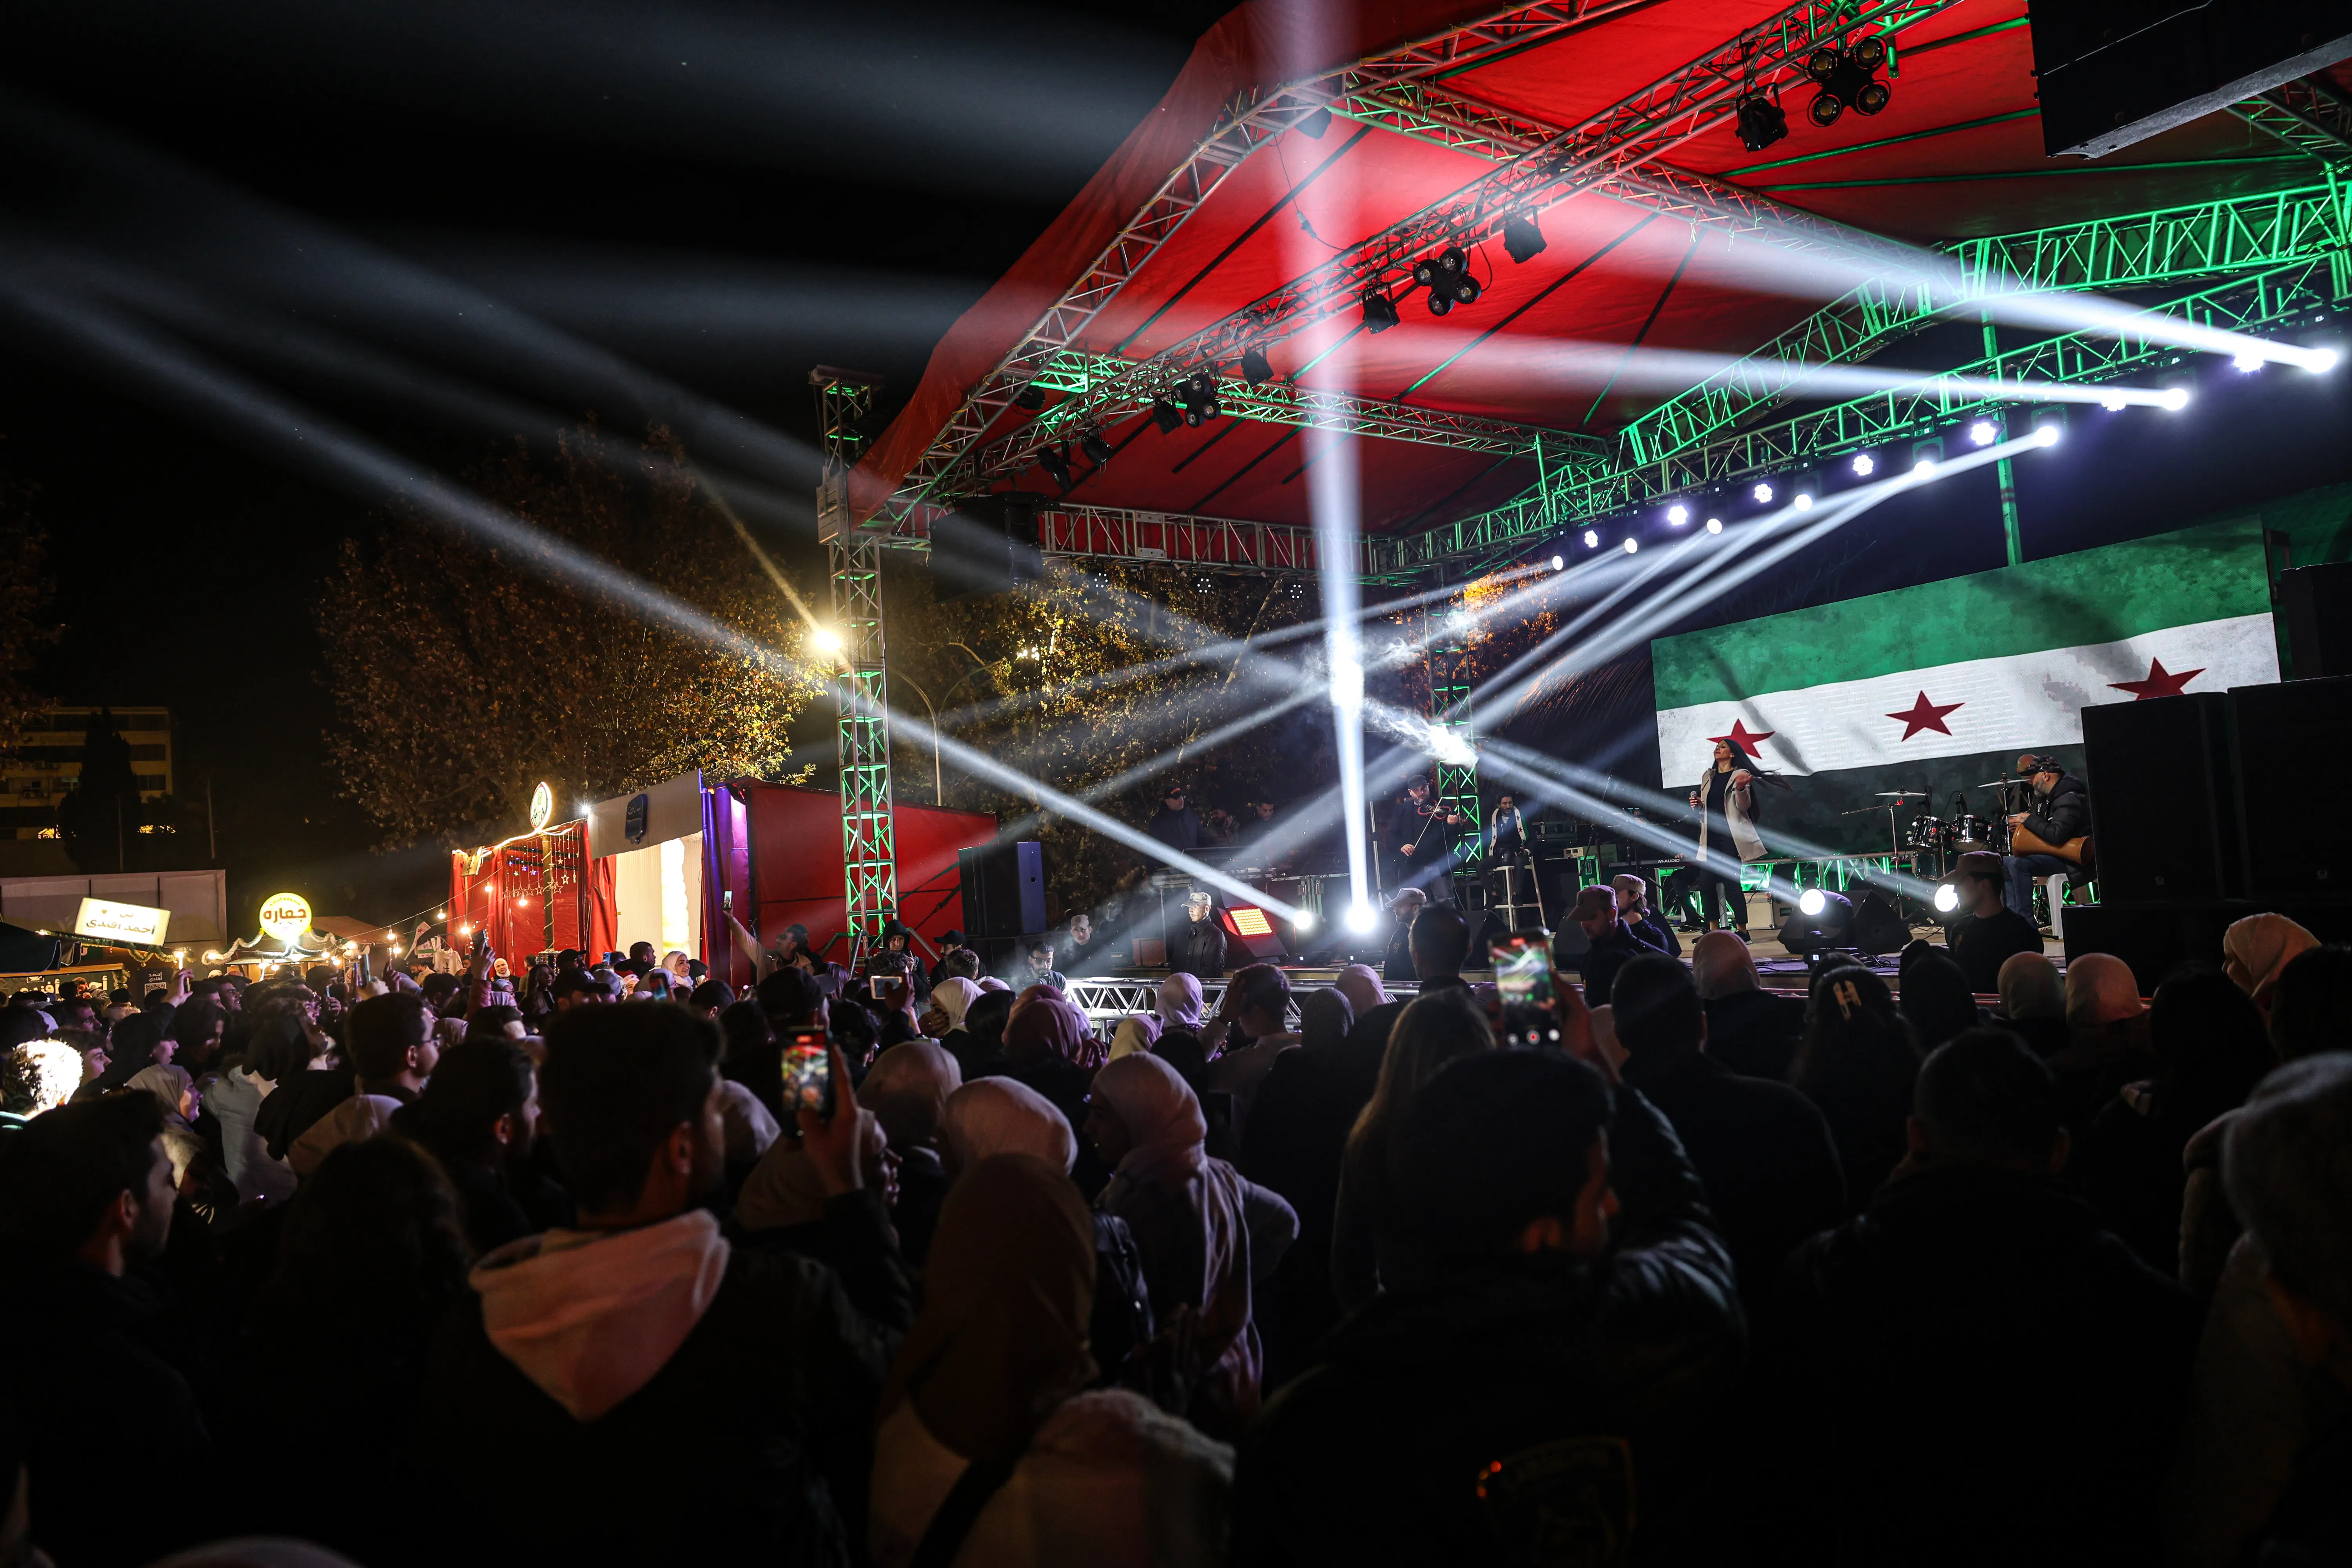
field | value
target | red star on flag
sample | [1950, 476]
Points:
[2160, 682]
[1927, 715]
[1743, 739]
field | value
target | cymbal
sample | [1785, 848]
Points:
[1995, 784]
[1898, 794]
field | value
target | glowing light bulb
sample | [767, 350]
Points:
[1948, 898]
[2177, 399]
[1632, 546]
[1592, 539]
[2113, 402]
[824, 640]
[1679, 514]
[1763, 493]
[1360, 918]
[1715, 525]
[2319, 362]
[1925, 469]
[1862, 464]
[1982, 432]
[2046, 437]
[2247, 361]
[1812, 903]
[1803, 501]
[1304, 921]
[1558, 564]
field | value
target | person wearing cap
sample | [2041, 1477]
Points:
[2059, 811]
[1176, 824]
[1987, 931]
[950, 943]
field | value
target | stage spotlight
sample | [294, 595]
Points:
[1361, 919]
[1873, 97]
[1948, 899]
[1925, 457]
[1056, 461]
[2047, 434]
[826, 641]
[1820, 923]
[1095, 445]
[1559, 563]
[1439, 303]
[1715, 525]
[1303, 922]
[1801, 501]
[1166, 414]
[1031, 397]
[1763, 493]
[1521, 238]
[1316, 123]
[1984, 432]
[1679, 514]
[1761, 121]
[1847, 80]
[1863, 465]
[1825, 109]
[2247, 362]
[2319, 362]
[1379, 312]
[1256, 369]
[1925, 469]
[1632, 546]
[1591, 538]
[1813, 901]
[1870, 53]
[2177, 399]
[2113, 402]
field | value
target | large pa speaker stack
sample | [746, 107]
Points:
[2163, 807]
[1003, 889]
[2295, 786]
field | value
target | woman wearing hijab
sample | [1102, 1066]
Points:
[2255, 949]
[907, 1090]
[952, 997]
[2108, 1024]
[991, 1450]
[1255, 1007]
[996, 1116]
[1179, 1003]
[2034, 1003]
[1858, 1063]
[1137, 1033]
[982, 1050]
[1049, 1047]
[1937, 999]
[1207, 1234]
[1366, 1247]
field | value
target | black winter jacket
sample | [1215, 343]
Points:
[2065, 813]
[1517, 1404]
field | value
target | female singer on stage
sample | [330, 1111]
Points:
[1726, 802]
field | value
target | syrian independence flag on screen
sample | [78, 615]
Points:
[1933, 691]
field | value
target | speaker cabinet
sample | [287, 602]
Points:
[2294, 744]
[1003, 889]
[2316, 602]
[2164, 810]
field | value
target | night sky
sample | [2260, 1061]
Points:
[290, 197]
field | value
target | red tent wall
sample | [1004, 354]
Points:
[796, 863]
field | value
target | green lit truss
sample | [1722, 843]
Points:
[2276, 259]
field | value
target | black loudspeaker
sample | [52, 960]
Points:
[2113, 72]
[1003, 889]
[2164, 808]
[2315, 603]
[989, 545]
[2295, 789]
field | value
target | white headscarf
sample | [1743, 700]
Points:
[1136, 1032]
[998, 1116]
[1164, 1126]
[952, 995]
[1179, 1002]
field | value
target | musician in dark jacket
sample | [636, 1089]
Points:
[1198, 946]
[1421, 834]
[2059, 811]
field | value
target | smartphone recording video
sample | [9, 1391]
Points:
[1523, 969]
[808, 1071]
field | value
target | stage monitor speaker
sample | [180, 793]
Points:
[2315, 603]
[2295, 789]
[1003, 889]
[2113, 72]
[2164, 810]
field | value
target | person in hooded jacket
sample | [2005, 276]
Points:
[1206, 1233]
[637, 1390]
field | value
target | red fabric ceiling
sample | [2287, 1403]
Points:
[1957, 153]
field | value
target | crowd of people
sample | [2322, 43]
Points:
[605, 1262]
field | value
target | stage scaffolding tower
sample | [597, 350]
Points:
[1451, 678]
[869, 839]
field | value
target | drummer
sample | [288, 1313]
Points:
[2060, 810]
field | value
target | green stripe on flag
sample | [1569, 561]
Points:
[2208, 572]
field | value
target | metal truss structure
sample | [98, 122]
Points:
[1629, 134]
[1248, 122]
[2308, 114]
[1105, 999]
[2279, 254]
[869, 838]
[1450, 681]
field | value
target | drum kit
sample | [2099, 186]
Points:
[1942, 841]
